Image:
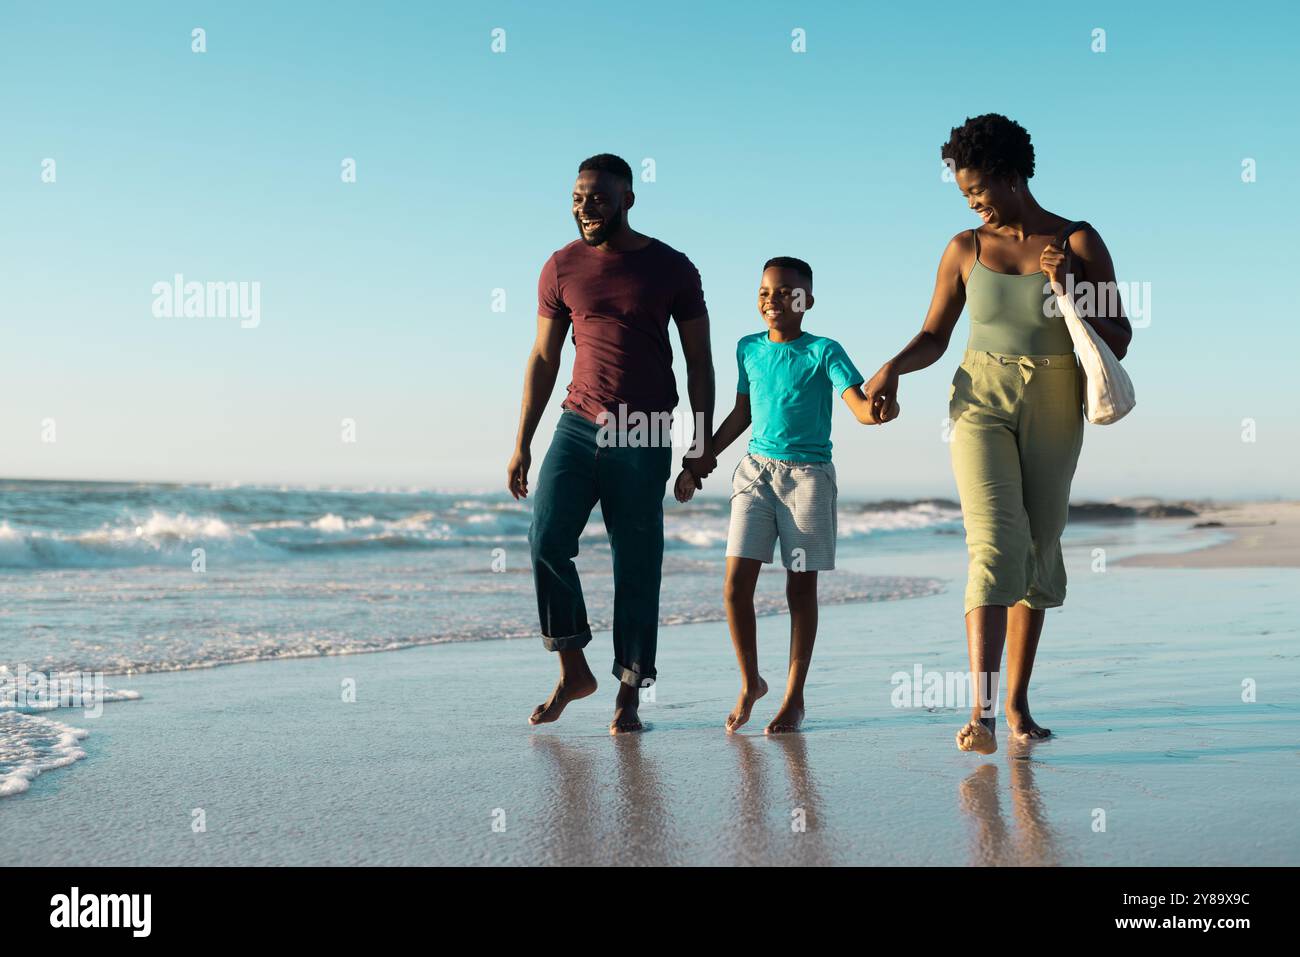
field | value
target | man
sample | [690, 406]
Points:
[616, 289]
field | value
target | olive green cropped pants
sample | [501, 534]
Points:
[1017, 428]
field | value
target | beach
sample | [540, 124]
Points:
[1173, 693]
[1257, 535]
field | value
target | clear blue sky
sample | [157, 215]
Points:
[376, 296]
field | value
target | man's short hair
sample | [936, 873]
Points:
[608, 163]
[789, 262]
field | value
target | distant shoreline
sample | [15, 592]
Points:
[1264, 534]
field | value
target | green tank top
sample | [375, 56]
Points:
[1008, 315]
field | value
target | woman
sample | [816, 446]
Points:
[1015, 403]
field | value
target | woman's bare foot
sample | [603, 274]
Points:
[571, 688]
[789, 719]
[625, 711]
[978, 735]
[740, 713]
[1023, 727]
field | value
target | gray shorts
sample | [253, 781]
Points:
[792, 501]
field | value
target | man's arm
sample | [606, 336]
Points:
[700, 387]
[539, 382]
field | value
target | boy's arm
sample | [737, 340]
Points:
[736, 422]
[864, 410]
[845, 376]
[734, 425]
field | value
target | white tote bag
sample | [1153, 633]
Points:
[1108, 390]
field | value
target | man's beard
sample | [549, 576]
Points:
[600, 235]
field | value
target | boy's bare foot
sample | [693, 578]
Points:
[740, 713]
[572, 686]
[1023, 727]
[788, 720]
[625, 711]
[978, 735]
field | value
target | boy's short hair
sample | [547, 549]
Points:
[608, 163]
[789, 262]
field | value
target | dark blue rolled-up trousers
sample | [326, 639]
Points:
[628, 483]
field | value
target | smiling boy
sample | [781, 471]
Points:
[784, 488]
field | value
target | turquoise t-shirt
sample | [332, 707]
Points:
[791, 386]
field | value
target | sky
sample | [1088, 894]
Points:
[378, 359]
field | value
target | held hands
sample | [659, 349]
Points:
[685, 486]
[695, 468]
[517, 473]
[882, 392]
[890, 414]
[702, 463]
[690, 479]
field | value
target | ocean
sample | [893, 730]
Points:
[120, 579]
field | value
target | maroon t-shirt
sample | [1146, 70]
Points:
[620, 303]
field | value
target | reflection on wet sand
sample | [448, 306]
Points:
[593, 813]
[642, 828]
[750, 842]
[1032, 841]
[810, 847]
[784, 827]
[571, 802]
[580, 828]
[1038, 841]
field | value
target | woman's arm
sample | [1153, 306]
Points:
[1106, 312]
[932, 341]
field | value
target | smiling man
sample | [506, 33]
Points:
[616, 289]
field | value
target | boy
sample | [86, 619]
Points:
[785, 487]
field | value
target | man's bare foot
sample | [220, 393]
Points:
[978, 735]
[625, 710]
[571, 688]
[1023, 727]
[788, 720]
[740, 713]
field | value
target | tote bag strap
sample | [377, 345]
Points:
[1063, 235]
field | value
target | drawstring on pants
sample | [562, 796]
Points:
[1027, 364]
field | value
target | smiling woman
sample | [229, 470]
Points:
[1014, 407]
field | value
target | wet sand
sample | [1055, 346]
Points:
[1158, 760]
[1258, 535]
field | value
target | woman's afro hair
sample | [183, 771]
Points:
[991, 144]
